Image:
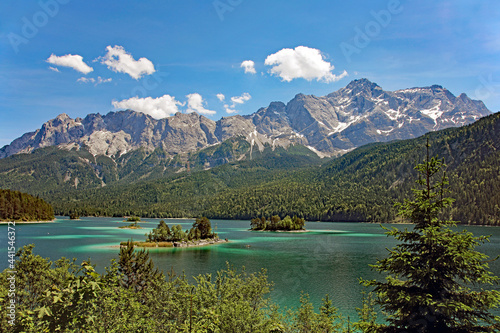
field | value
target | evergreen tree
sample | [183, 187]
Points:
[432, 270]
[137, 268]
[204, 226]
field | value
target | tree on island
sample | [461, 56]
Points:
[276, 223]
[204, 226]
[74, 216]
[431, 271]
[202, 229]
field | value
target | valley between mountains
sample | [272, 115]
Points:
[346, 156]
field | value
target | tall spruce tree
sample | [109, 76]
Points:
[435, 277]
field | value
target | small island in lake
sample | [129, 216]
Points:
[134, 225]
[74, 216]
[275, 223]
[163, 236]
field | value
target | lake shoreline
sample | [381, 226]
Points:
[27, 222]
[294, 231]
[153, 220]
[184, 244]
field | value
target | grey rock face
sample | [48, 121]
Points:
[358, 114]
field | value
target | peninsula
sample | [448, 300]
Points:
[22, 207]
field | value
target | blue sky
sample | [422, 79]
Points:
[167, 56]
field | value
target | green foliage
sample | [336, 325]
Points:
[305, 320]
[64, 297]
[367, 315]
[137, 268]
[202, 229]
[74, 216]
[432, 270]
[34, 277]
[67, 298]
[72, 307]
[17, 206]
[177, 233]
[161, 233]
[275, 223]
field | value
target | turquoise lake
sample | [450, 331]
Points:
[327, 260]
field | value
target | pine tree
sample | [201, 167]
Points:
[137, 268]
[433, 268]
[204, 226]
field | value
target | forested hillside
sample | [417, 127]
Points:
[51, 170]
[364, 185]
[17, 206]
[185, 194]
[359, 186]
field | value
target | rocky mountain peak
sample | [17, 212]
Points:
[361, 88]
[62, 117]
[276, 106]
[437, 87]
[363, 85]
[363, 82]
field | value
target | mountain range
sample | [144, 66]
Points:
[341, 157]
[331, 125]
[362, 185]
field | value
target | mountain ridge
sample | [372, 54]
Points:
[360, 113]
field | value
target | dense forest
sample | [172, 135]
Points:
[17, 206]
[362, 185]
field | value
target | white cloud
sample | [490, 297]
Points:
[86, 80]
[70, 60]
[101, 80]
[249, 66]
[221, 97]
[157, 108]
[230, 109]
[54, 69]
[302, 62]
[241, 99]
[118, 60]
[245, 97]
[92, 80]
[195, 104]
